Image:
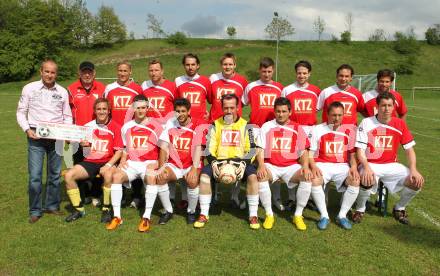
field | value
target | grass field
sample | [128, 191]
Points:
[226, 245]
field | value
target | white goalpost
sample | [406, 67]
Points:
[415, 88]
[368, 82]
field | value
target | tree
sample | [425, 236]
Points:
[81, 21]
[406, 43]
[319, 26]
[346, 37]
[279, 27]
[231, 31]
[432, 35]
[155, 25]
[109, 29]
[349, 22]
[377, 35]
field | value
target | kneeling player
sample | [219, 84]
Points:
[229, 140]
[285, 144]
[377, 142]
[101, 154]
[180, 143]
[332, 148]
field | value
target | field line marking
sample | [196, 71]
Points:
[423, 108]
[432, 137]
[424, 118]
[422, 213]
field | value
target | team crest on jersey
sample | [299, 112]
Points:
[230, 138]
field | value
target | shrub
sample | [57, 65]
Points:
[346, 37]
[178, 39]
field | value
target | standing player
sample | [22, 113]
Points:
[102, 153]
[377, 142]
[333, 158]
[226, 82]
[193, 86]
[385, 78]
[230, 139]
[344, 93]
[160, 92]
[285, 157]
[180, 155]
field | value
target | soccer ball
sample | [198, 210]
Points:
[227, 174]
[43, 132]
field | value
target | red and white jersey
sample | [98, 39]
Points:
[106, 140]
[261, 98]
[196, 91]
[121, 98]
[160, 98]
[183, 141]
[333, 146]
[283, 144]
[140, 141]
[221, 86]
[351, 98]
[304, 100]
[81, 102]
[400, 108]
[381, 141]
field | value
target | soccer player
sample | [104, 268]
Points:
[193, 86]
[344, 93]
[385, 78]
[229, 140]
[332, 157]
[102, 153]
[285, 157]
[180, 155]
[139, 160]
[226, 82]
[160, 92]
[377, 142]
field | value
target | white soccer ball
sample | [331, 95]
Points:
[227, 174]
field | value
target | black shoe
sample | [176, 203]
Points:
[106, 216]
[75, 215]
[165, 217]
[401, 216]
[290, 205]
[191, 218]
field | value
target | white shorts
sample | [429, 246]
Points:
[392, 175]
[180, 173]
[283, 173]
[336, 172]
[136, 169]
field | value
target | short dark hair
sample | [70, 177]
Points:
[303, 63]
[227, 55]
[282, 101]
[140, 98]
[334, 105]
[266, 62]
[229, 97]
[345, 66]
[385, 96]
[182, 102]
[102, 100]
[385, 73]
[190, 55]
[155, 61]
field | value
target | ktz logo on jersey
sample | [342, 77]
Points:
[303, 105]
[280, 143]
[223, 91]
[157, 102]
[267, 99]
[230, 137]
[140, 142]
[383, 142]
[192, 97]
[100, 145]
[347, 107]
[181, 143]
[334, 147]
[121, 101]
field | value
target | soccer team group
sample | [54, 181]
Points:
[161, 132]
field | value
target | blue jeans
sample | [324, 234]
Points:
[37, 149]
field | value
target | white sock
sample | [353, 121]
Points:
[405, 197]
[276, 191]
[265, 197]
[164, 196]
[348, 199]
[302, 196]
[193, 196]
[253, 205]
[319, 199]
[205, 201]
[150, 198]
[292, 192]
[116, 197]
[183, 190]
[172, 188]
[361, 201]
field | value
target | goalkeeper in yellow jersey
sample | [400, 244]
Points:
[231, 141]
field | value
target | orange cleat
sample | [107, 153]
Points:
[144, 225]
[114, 223]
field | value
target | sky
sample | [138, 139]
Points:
[205, 18]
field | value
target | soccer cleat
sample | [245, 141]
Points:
[165, 217]
[144, 225]
[344, 223]
[253, 223]
[299, 223]
[357, 216]
[114, 223]
[75, 215]
[201, 221]
[191, 218]
[106, 216]
[182, 205]
[323, 223]
[268, 222]
[401, 216]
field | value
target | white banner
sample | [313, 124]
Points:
[64, 132]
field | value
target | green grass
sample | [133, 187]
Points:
[227, 246]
